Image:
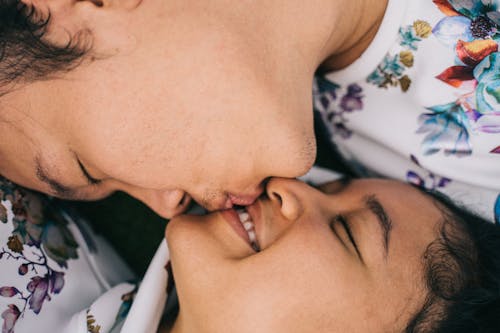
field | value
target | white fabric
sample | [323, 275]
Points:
[56, 274]
[149, 303]
[380, 128]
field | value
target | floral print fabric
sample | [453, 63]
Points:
[40, 244]
[391, 72]
[428, 110]
[472, 30]
[45, 267]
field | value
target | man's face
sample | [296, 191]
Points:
[175, 102]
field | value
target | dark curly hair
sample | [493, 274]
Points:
[462, 275]
[25, 55]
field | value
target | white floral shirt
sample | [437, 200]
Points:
[422, 104]
[56, 274]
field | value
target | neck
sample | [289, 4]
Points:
[355, 24]
[326, 34]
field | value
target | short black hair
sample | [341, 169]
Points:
[462, 275]
[25, 55]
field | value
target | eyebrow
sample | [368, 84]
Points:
[374, 205]
[43, 175]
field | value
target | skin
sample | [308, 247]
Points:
[175, 97]
[308, 276]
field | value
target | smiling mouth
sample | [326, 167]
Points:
[249, 226]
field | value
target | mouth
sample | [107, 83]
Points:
[230, 201]
[243, 200]
[249, 226]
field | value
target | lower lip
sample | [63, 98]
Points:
[233, 220]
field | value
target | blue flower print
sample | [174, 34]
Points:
[487, 74]
[452, 29]
[409, 37]
[497, 210]
[475, 10]
[58, 242]
[391, 71]
[325, 86]
[446, 129]
[472, 29]
[467, 20]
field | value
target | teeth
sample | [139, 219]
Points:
[249, 226]
[252, 236]
[243, 216]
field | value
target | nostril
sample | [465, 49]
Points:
[97, 3]
[277, 196]
[265, 182]
[186, 199]
[182, 202]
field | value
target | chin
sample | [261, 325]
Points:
[179, 228]
[190, 234]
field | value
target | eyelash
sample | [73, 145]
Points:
[345, 224]
[91, 181]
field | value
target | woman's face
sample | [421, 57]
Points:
[345, 258]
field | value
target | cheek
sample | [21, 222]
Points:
[296, 293]
[141, 156]
[202, 250]
[299, 283]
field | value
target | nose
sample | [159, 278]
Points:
[166, 203]
[248, 198]
[285, 193]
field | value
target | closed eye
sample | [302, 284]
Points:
[344, 222]
[91, 180]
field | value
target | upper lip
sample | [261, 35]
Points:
[229, 200]
[243, 199]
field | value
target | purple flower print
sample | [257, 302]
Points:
[353, 100]
[56, 282]
[429, 182]
[327, 103]
[38, 287]
[426, 179]
[8, 291]
[10, 317]
[38, 229]
[23, 269]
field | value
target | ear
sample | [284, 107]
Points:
[45, 3]
[68, 18]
